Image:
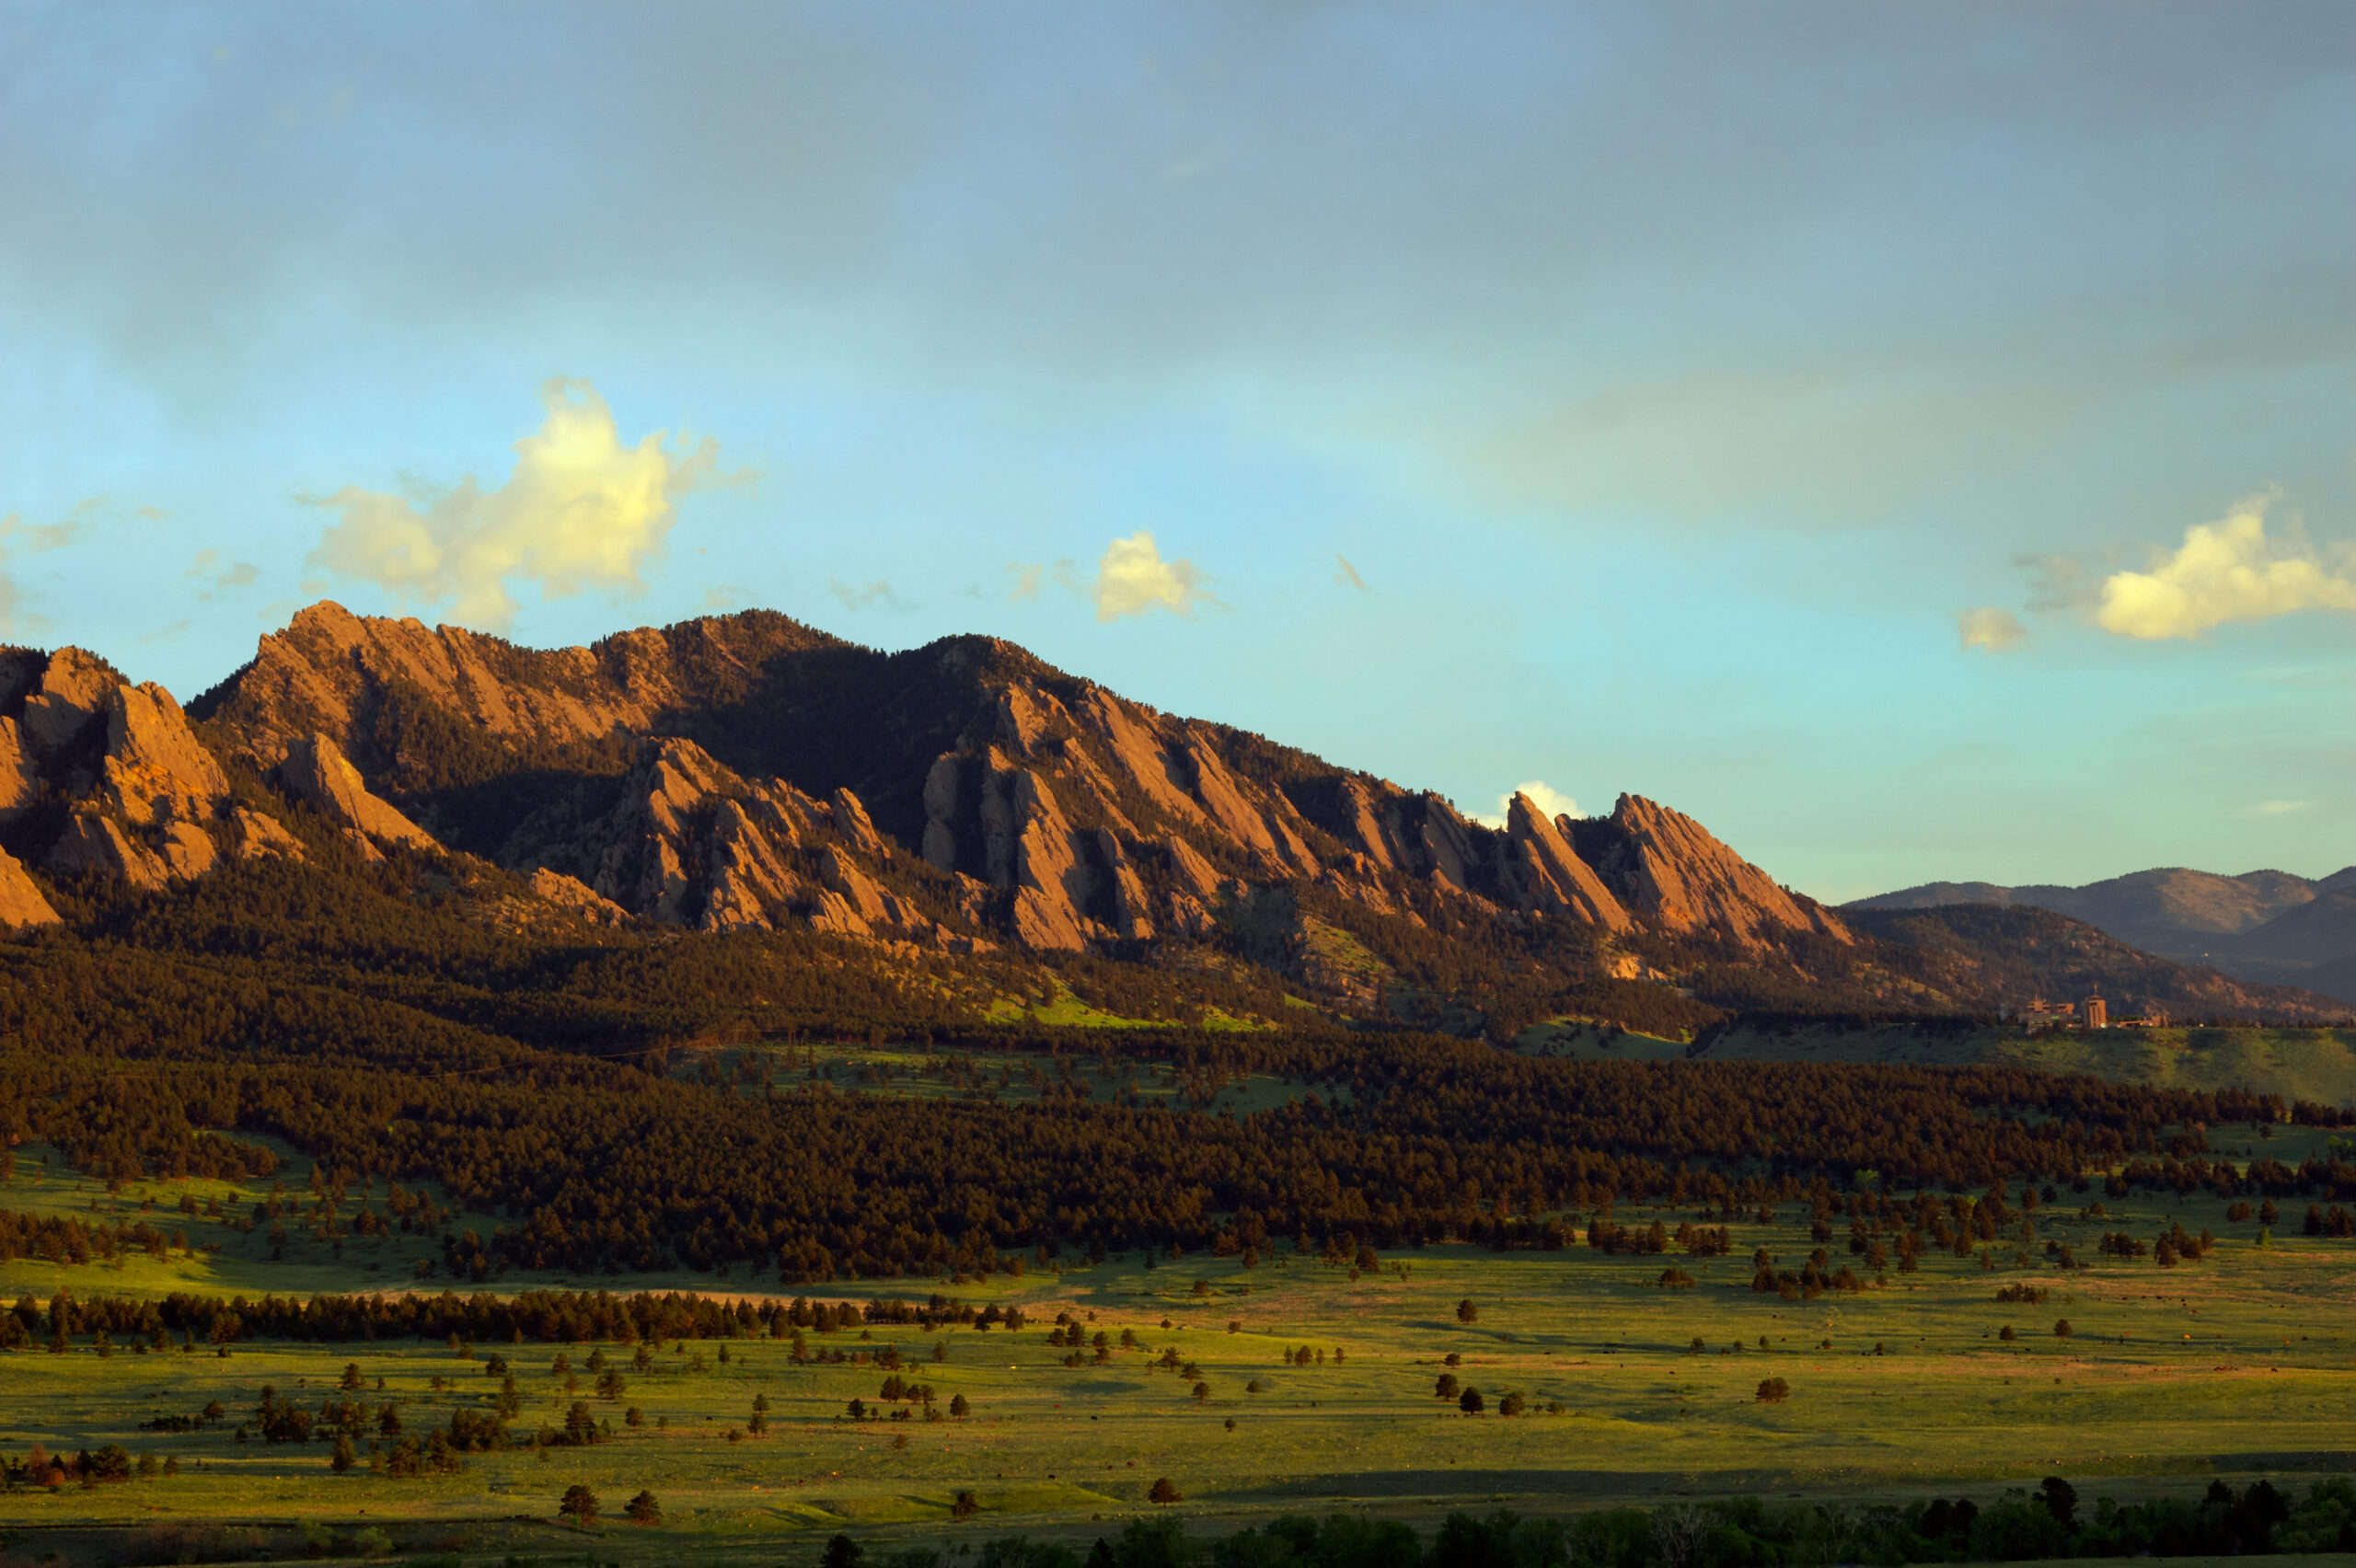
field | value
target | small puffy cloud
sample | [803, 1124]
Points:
[1550, 802]
[2278, 808]
[1347, 575]
[217, 578]
[2225, 571]
[579, 511]
[2057, 583]
[1133, 579]
[19, 537]
[864, 595]
[1999, 631]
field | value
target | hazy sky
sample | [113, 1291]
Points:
[1920, 439]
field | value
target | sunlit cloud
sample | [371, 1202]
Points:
[1133, 579]
[1550, 802]
[579, 512]
[218, 579]
[1998, 632]
[19, 537]
[2278, 808]
[868, 596]
[2226, 571]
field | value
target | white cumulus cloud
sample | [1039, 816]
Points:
[1999, 631]
[1133, 579]
[1551, 802]
[580, 511]
[2225, 571]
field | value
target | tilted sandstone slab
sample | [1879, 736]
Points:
[20, 779]
[155, 770]
[572, 892]
[1553, 878]
[1668, 868]
[22, 903]
[316, 768]
[1131, 917]
[253, 835]
[65, 706]
[99, 846]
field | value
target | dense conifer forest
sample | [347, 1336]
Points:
[362, 1016]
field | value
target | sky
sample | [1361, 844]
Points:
[1918, 441]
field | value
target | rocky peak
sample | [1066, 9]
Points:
[1668, 869]
[154, 768]
[1553, 879]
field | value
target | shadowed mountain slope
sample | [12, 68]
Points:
[748, 775]
[2268, 927]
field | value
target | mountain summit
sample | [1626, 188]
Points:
[2268, 927]
[745, 773]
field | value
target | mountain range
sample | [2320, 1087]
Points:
[958, 810]
[2268, 927]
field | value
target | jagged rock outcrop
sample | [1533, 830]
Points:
[22, 903]
[67, 704]
[1668, 868]
[99, 846]
[1551, 878]
[316, 768]
[252, 835]
[19, 773]
[689, 841]
[572, 892]
[154, 772]
[784, 775]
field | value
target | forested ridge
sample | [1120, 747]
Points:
[381, 1016]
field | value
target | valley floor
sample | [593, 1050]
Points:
[2238, 1364]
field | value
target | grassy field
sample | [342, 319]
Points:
[2316, 1065]
[2240, 1364]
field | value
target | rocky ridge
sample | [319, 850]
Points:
[746, 771]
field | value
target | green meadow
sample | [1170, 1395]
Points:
[2313, 1063]
[2242, 1364]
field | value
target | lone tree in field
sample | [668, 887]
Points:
[343, 1458]
[1773, 1390]
[1471, 1402]
[1445, 1387]
[959, 1406]
[2061, 1329]
[841, 1552]
[643, 1509]
[964, 1506]
[1466, 1312]
[579, 1504]
[1164, 1493]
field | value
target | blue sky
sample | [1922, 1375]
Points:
[1918, 441]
